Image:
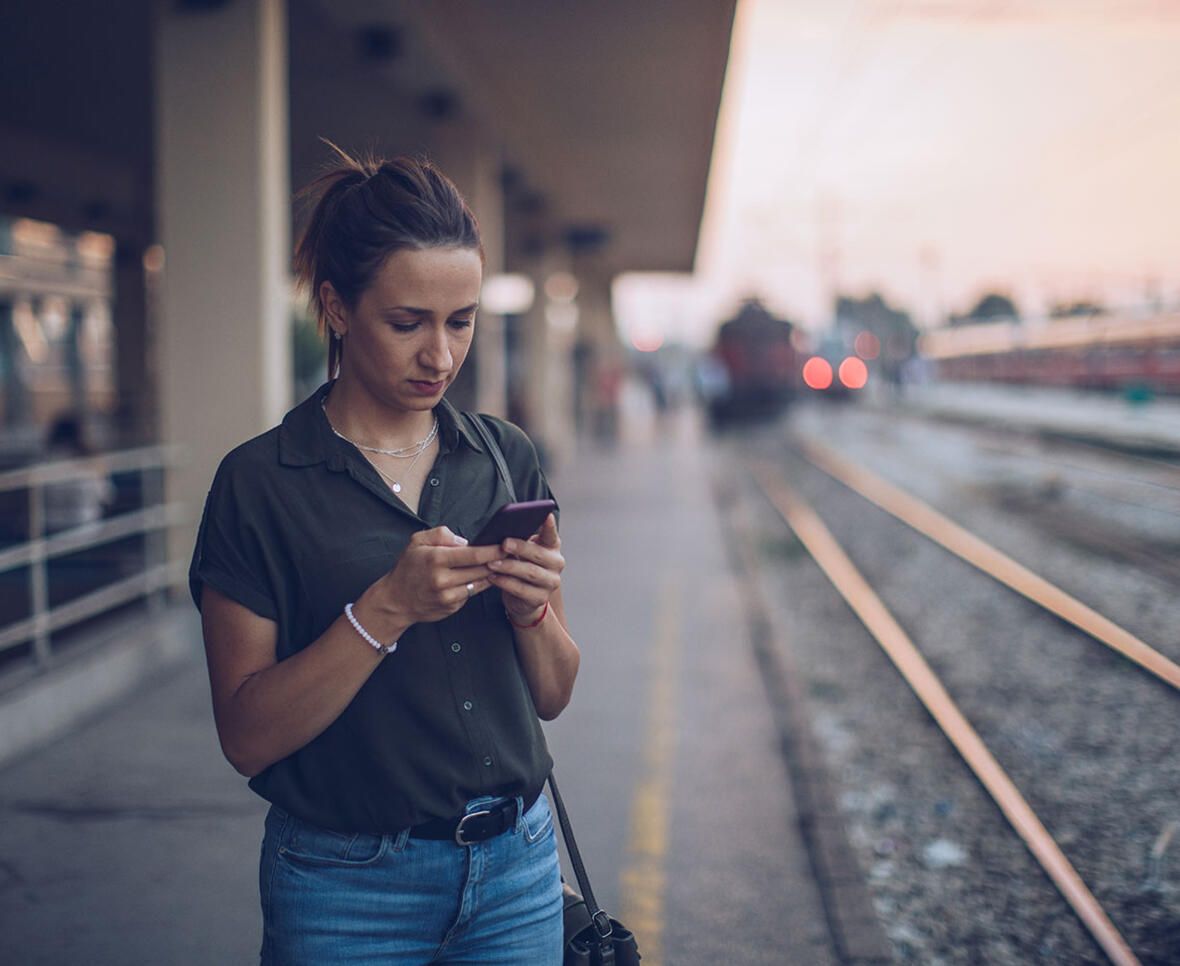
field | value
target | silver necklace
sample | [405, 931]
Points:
[413, 450]
[419, 448]
[394, 484]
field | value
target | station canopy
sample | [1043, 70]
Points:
[604, 111]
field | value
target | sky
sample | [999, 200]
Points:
[936, 150]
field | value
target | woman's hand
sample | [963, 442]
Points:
[530, 573]
[265, 709]
[529, 579]
[430, 579]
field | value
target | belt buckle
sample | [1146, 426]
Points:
[459, 839]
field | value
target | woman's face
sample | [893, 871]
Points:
[410, 330]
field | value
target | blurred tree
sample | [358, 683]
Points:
[989, 308]
[1066, 309]
[893, 327]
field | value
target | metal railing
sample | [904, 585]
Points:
[154, 573]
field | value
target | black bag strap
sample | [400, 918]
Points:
[489, 441]
[601, 920]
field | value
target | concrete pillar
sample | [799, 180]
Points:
[545, 367]
[223, 202]
[599, 360]
[18, 403]
[76, 366]
[9, 371]
[491, 376]
[530, 387]
[135, 365]
[469, 159]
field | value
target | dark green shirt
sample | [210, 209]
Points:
[296, 525]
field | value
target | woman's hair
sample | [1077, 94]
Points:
[366, 210]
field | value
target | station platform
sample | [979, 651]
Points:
[1148, 426]
[128, 839]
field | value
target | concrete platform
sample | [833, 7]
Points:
[128, 840]
[1150, 427]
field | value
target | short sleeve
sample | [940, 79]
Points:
[228, 554]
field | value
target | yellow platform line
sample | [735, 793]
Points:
[948, 534]
[895, 642]
[643, 879]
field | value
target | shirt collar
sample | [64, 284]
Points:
[306, 436]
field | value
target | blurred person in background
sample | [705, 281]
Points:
[377, 678]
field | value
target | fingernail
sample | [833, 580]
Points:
[510, 546]
[496, 564]
[461, 541]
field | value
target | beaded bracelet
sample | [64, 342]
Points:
[525, 627]
[383, 648]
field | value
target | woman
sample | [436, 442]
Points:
[378, 679]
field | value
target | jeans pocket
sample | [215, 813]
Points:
[538, 820]
[312, 845]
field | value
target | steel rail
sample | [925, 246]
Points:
[116, 461]
[964, 544]
[37, 551]
[97, 602]
[853, 587]
[93, 534]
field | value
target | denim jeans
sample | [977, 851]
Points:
[330, 898]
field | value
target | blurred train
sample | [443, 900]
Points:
[1110, 352]
[760, 363]
[752, 371]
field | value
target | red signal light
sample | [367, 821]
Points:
[854, 373]
[817, 373]
[867, 345]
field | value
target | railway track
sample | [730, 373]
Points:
[1074, 477]
[811, 459]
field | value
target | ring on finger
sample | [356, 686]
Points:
[470, 589]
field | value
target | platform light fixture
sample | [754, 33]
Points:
[561, 287]
[647, 338]
[507, 294]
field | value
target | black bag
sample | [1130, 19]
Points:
[592, 938]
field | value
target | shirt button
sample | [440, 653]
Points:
[434, 481]
[487, 761]
[456, 647]
[467, 705]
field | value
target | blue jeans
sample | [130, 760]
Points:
[330, 898]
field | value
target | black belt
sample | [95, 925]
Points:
[478, 826]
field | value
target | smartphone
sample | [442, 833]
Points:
[520, 520]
